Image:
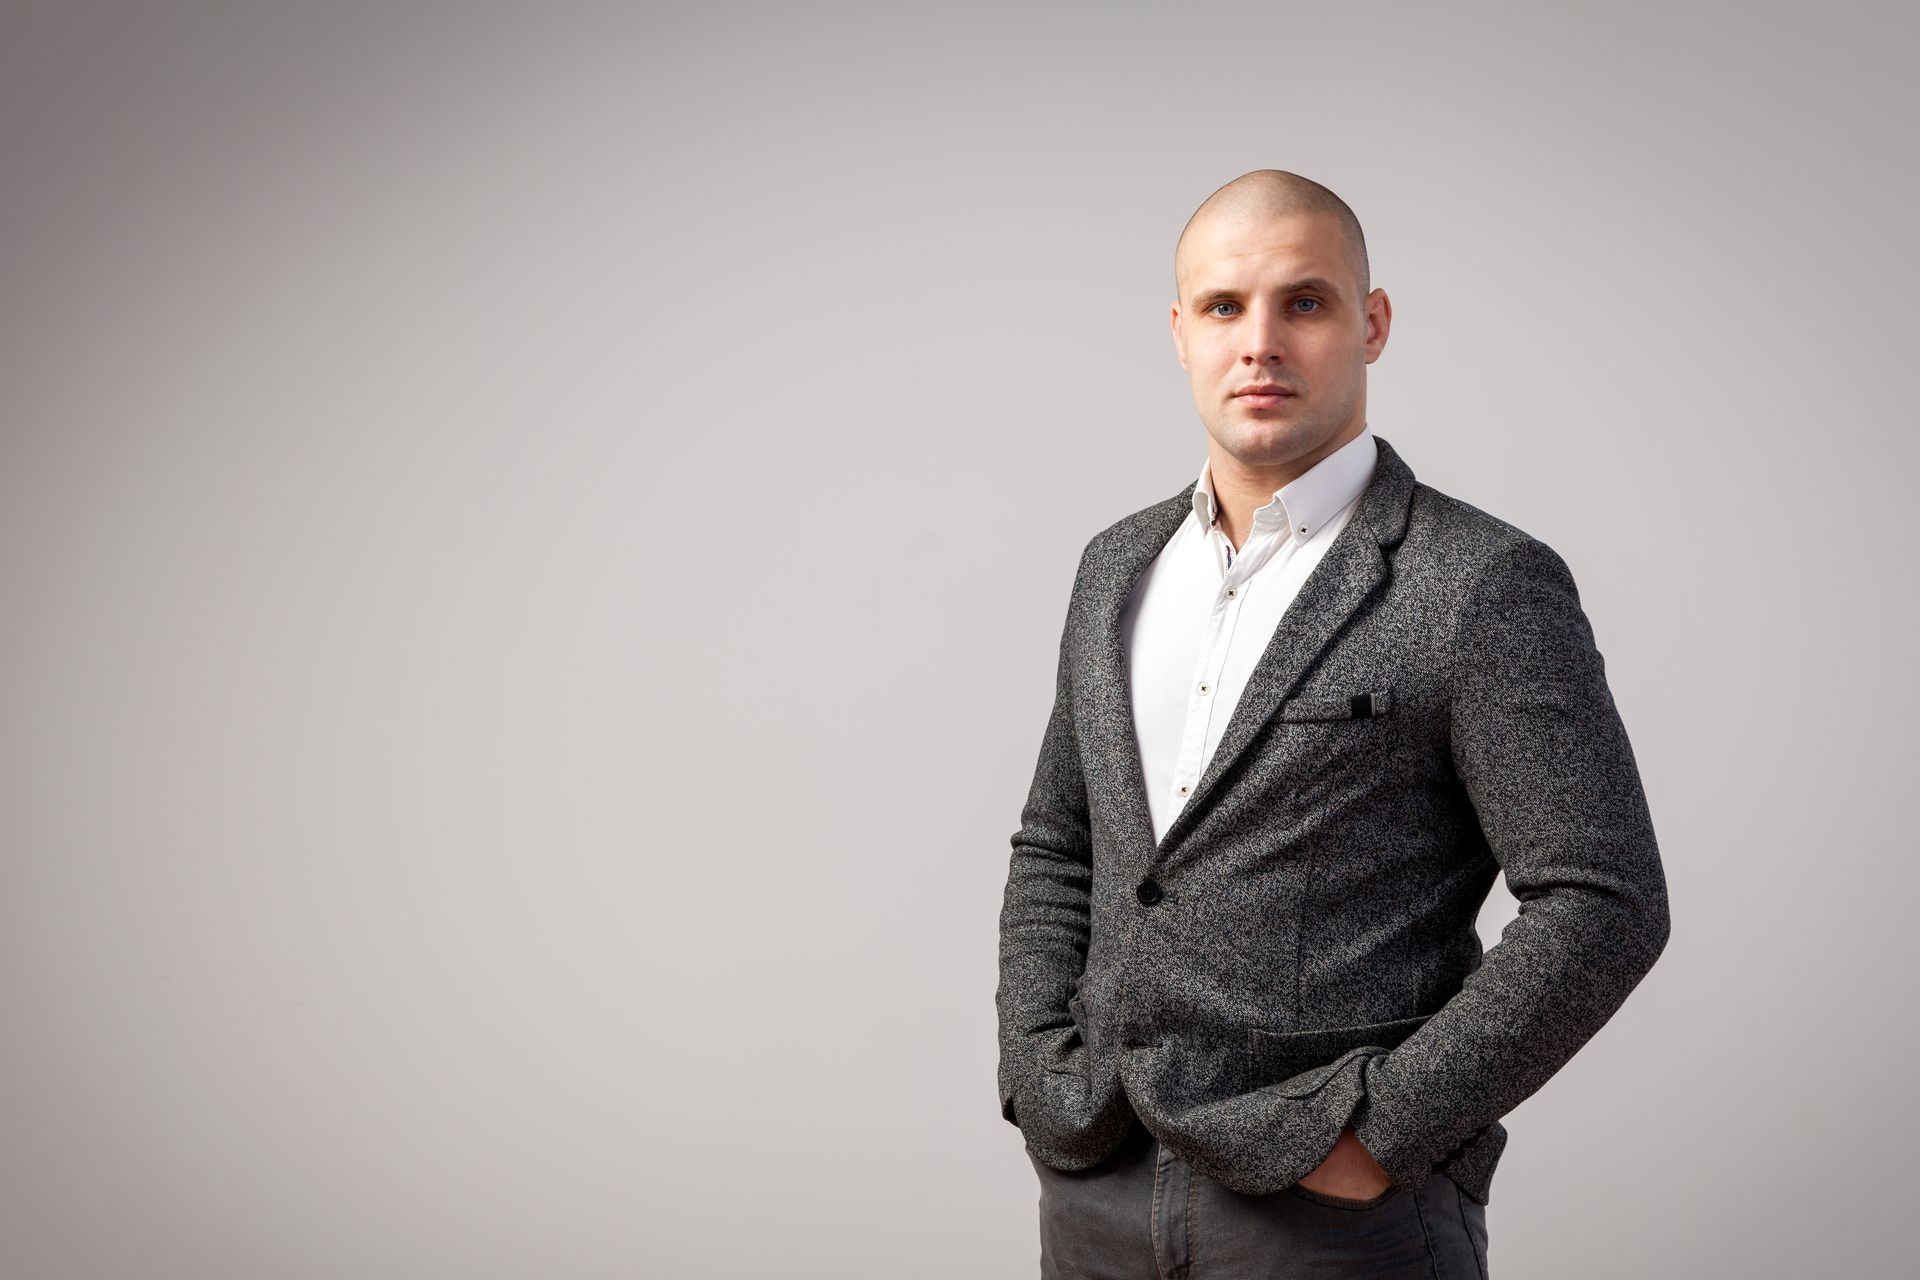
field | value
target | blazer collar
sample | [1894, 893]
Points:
[1354, 566]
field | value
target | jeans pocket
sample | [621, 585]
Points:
[1341, 1202]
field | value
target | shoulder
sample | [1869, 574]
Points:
[1128, 529]
[1504, 600]
[1154, 513]
[1451, 541]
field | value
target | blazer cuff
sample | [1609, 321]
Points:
[1408, 1153]
[1405, 1162]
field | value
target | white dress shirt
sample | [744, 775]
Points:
[1202, 614]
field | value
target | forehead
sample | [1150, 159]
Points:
[1236, 250]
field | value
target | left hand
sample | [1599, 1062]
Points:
[1349, 1172]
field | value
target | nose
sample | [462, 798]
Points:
[1264, 335]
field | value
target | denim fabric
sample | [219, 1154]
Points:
[1144, 1214]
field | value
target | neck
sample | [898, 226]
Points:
[1239, 490]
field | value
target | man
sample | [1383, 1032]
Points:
[1305, 711]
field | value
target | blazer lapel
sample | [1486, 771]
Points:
[1115, 783]
[1353, 568]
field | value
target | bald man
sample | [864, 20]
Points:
[1306, 710]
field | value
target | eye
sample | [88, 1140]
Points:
[1213, 310]
[1315, 301]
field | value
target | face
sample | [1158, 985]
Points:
[1271, 299]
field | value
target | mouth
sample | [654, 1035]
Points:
[1263, 396]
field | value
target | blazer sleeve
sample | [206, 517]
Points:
[1045, 918]
[1540, 750]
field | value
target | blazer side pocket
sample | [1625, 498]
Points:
[1068, 1054]
[1295, 1063]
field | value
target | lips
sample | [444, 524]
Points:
[1266, 397]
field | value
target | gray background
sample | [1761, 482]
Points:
[533, 543]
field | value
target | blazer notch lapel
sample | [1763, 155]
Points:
[1354, 567]
[1116, 782]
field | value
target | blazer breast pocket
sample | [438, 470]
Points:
[1331, 739]
[1363, 704]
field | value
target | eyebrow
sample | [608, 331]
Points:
[1308, 284]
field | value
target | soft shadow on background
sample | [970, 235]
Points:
[533, 543]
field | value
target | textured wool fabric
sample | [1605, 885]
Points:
[1201, 614]
[1297, 953]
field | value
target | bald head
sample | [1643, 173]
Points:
[1276, 193]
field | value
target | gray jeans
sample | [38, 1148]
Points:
[1144, 1214]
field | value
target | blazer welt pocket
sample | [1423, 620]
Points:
[1295, 1063]
[1362, 704]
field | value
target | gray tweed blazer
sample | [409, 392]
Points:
[1298, 953]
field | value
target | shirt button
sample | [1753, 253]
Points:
[1203, 688]
[1184, 788]
[1148, 892]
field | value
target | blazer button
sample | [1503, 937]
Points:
[1148, 892]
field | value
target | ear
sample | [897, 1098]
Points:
[1179, 348]
[1379, 321]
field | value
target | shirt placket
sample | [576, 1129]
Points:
[1203, 690]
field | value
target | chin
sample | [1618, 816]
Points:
[1264, 443]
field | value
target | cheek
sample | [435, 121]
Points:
[1328, 361]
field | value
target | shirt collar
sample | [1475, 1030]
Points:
[1307, 502]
